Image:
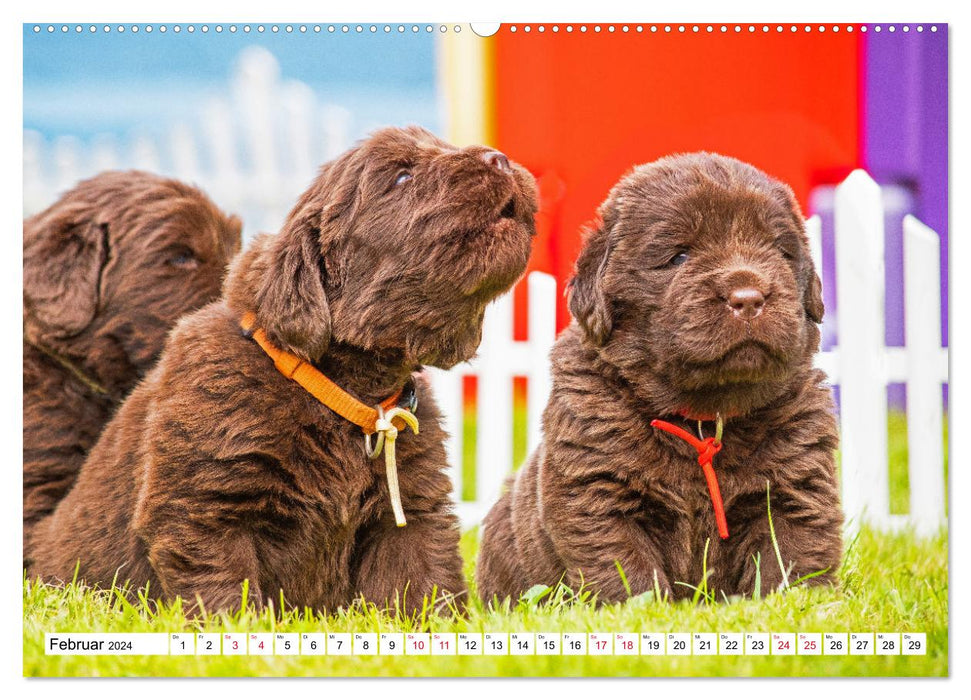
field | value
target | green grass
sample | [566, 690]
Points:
[888, 583]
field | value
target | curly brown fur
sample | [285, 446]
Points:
[220, 469]
[655, 336]
[108, 269]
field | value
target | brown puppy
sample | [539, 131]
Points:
[108, 269]
[696, 297]
[219, 468]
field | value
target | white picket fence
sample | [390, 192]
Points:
[253, 150]
[499, 360]
[862, 365]
[260, 146]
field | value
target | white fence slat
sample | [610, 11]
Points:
[254, 90]
[104, 153]
[922, 327]
[145, 153]
[894, 363]
[898, 362]
[860, 328]
[814, 232]
[33, 155]
[298, 109]
[219, 136]
[335, 122]
[185, 160]
[828, 361]
[494, 402]
[447, 386]
[67, 163]
[35, 194]
[542, 333]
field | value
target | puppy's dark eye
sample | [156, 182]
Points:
[183, 259]
[403, 177]
[679, 259]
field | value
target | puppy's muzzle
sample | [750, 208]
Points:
[746, 303]
[744, 293]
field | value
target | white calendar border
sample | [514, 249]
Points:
[509, 10]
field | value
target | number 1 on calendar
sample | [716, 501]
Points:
[182, 644]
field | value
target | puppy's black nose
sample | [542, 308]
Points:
[497, 160]
[746, 302]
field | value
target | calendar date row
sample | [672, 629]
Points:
[490, 644]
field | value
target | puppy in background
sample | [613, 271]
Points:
[695, 307]
[224, 465]
[108, 269]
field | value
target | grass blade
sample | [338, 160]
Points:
[757, 587]
[623, 577]
[775, 542]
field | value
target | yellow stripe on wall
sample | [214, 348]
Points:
[465, 74]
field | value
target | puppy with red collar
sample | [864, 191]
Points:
[696, 308]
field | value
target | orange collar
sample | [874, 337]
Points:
[316, 383]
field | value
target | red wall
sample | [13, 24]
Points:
[580, 109]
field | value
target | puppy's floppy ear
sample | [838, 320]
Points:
[812, 299]
[63, 263]
[291, 304]
[587, 302]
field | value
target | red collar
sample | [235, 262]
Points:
[707, 449]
